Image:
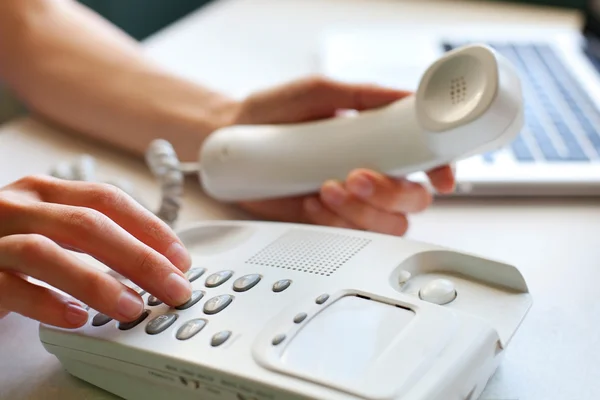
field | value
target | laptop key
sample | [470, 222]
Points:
[541, 137]
[521, 150]
[575, 151]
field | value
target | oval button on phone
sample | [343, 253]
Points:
[438, 291]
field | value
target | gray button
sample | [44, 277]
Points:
[124, 326]
[322, 299]
[153, 301]
[278, 339]
[217, 304]
[190, 328]
[299, 318]
[194, 274]
[281, 285]
[246, 282]
[218, 278]
[160, 323]
[196, 296]
[101, 319]
[219, 338]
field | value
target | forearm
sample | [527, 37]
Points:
[75, 69]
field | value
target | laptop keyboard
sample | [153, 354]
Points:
[562, 124]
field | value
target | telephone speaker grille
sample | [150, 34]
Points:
[316, 253]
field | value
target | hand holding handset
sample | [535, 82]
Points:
[468, 102]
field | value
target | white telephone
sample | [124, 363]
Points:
[286, 311]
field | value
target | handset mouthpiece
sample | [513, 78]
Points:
[469, 101]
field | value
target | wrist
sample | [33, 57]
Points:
[200, 119]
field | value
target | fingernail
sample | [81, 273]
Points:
[178, 289]
[361, 186]
[129, 305]
[179, 256]
[75, 315]
[334, 194]
[312, 205]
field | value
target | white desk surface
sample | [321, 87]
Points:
[241, 45]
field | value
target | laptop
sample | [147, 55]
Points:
[557, 152]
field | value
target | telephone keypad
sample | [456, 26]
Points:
[217, 304]
[196, 296]
[246, 282]
[125, 326]
[160, 323]
[218, 278]
[190, 328]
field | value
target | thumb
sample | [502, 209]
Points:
[316, 98]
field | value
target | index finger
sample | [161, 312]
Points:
[123, 210]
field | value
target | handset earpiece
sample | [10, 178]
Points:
[468, 102]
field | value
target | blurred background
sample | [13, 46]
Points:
[142, 18]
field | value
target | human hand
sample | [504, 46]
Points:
[41, 217]
[367, 199]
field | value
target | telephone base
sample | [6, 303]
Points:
[299, 312]
[135, 382]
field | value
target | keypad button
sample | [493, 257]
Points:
[190, 328]
[217, 304]
[281, 285]
[299, 317]
[194, 274]
[160, 323]
[196, 296]
[125, 326]
[154, 301]
[322, 299]
[219, 338]
[218, 278]
[101, 319]
[246, 282]
[278, 339]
